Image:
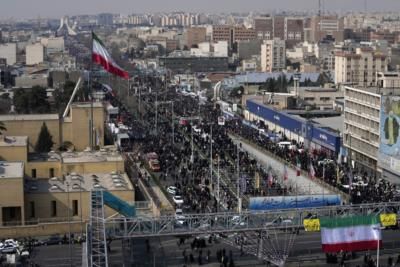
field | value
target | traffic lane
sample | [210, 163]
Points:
[303, 183]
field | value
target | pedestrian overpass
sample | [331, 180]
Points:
[130, 226]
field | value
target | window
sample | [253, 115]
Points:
[33, 173]
[32, 207]
[53, 208]
[51, 172]
[74, 207]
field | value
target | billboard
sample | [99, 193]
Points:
[293, 202]
[389, 143]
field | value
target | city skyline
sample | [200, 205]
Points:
[46, 8]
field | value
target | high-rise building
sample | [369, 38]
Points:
[273, 55]
[195, 35]
[289, 29]
[264, 27]
[362, 121]
[34, 54]
[8, 51]
[359, 67]
[318, 27]
[232, 34]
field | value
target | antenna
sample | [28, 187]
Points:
[365, 6]
[319, 8]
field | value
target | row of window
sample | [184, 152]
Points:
[362, 121]
[53, 208]
[362, 110]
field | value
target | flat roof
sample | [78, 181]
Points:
[335, 123]
[87, 105]
[28, 117]
[96, 156]
[77, 182]
[10, 141]
[11, 169]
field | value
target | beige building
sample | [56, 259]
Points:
[359, 67]
[9, 53]
[273, 55]
[57, 186]
[34, 54]
[12, 194]
[71, 128]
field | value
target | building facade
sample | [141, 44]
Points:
[359, 67]
[34, 54]
[273, 55]
[232, 34]
[9, 53]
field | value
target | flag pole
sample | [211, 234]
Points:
[91, 124]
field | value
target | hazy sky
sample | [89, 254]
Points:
[57, 8]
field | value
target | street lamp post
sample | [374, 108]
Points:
[69, 226]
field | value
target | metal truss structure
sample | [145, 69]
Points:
[196, 224]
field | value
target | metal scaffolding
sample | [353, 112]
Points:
[195, 224]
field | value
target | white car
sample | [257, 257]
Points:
[178, 200]
[236, 220]
[179, 217]
[172, 190]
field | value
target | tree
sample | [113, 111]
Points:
[31, 101]
[45, 140]
[2, 128]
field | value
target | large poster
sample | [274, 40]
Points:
[293, 202]
[389, 148]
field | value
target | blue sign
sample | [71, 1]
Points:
[308, 130]
[293, 202]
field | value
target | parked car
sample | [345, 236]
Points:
[178, 200]
[53, 240]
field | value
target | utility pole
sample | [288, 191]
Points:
[173, 125]
[238, 179]
[156, 113]
[218, 177]
[211, 157]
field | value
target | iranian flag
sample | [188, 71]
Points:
[354, 233]
[101, 56]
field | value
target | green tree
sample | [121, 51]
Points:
[2, 128]
[31, 101]
[45, 140]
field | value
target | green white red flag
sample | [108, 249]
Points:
[353, 233]
[101, 56]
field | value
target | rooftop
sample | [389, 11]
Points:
[11, 169]
[9, 141]
[75, 182]
[28, 117]
[96, 156]
[103, 155]
[335, 123]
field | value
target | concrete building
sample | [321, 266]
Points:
[363, 109]
[105, 19]
[69, 128]
[220, 49]
[8, 51]
[34, 54]
[273, 55]
[359, 67]
[290, 29]
[29, 81]
[248, 49]
[195, 35]
[319, 27]
[53, 44]
[232, 34]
